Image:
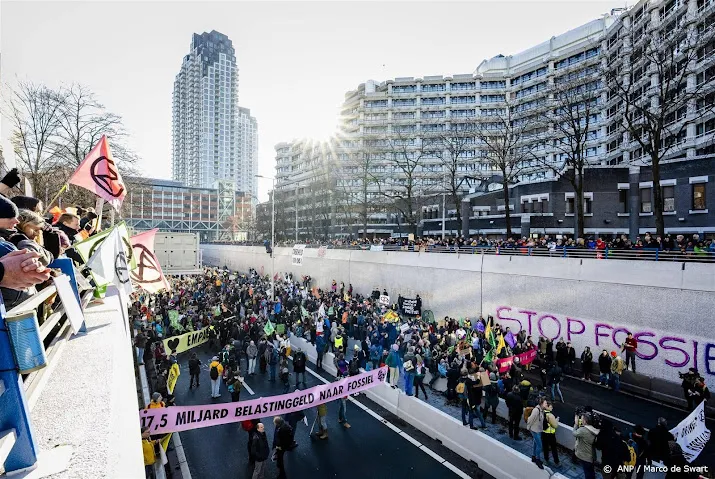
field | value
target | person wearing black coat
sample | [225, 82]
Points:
[259, 451]
[604, 367]
[299, 360]
[587, 363]
[282, 442]
[516, 409]
[658, 439]
[452, 380]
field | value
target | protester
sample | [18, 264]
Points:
[516, 409]
[616, 371]
[259, 451]
[148, 448]
[658, 439]
[554, 375]
[215, 372]
[630, 346]
[535, 425]
[584, 450]
[604, 368]
[299, 361]
[282, 443]
[587, 363]
[194, 370]
[548, 436]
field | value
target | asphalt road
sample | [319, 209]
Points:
[367, 450]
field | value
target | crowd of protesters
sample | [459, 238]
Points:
[237, 307]
[680, 243]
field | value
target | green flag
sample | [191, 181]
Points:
[304, 312]
[280, 328]
[268, 328]
[217, 311]
[174, 320]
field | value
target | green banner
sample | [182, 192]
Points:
[184, 342]
[87, 247]
[280, 328]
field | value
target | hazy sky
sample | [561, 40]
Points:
[296, 59]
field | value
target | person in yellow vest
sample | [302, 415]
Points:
[338, 342]
[148, 448]
[548, 436]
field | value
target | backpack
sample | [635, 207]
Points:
[633, 453]
[527, 413]
[461, 390]
[354, 367]
[247, 425]
[214, 373]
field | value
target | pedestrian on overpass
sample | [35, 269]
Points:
[548, 437]
[535, 425]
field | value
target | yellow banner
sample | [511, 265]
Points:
[184, 342]
[165, 441]
[172, 378]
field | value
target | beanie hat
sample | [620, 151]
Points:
[7, 209]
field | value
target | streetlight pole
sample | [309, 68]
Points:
[273, 234]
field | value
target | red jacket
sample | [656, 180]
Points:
[631, 344]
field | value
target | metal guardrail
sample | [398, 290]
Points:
[645, 254]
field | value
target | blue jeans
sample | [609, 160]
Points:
[342, 409]
[272, 368]
[603, 379]
[473, 412]
[409, 382]
[616, 381]
[588, 471]
[140, 355]
[537, 445]
[556, 387]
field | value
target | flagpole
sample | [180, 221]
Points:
[49, 205]
[99, 206]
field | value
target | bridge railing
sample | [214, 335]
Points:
[18, 447]
[645, 254]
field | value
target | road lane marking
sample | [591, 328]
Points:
[403, 434]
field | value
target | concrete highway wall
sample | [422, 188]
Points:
[668, 306]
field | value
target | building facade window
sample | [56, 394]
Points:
[699, 202]
[668, 198]
[623, 201]
[646, 201]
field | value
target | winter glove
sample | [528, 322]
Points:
[12, 179]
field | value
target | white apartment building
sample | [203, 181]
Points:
[213, 138]
[246, 180]
[412, 110]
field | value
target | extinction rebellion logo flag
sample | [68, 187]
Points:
[148, 274]
[98, 173]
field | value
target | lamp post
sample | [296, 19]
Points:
[273, 234]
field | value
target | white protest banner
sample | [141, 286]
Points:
[384, 300]
[404, 327]
[691, 434]
[297, 256]
[69, 301]
[376, 247]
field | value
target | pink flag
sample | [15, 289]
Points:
[148, 274]
[99, 174]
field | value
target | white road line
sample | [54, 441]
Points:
[600, 413]
[250, 391]
[403, 434]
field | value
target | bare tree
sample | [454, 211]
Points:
[409, 184]
[454, 148]
[35, 113]
[658, 84]
[502, 139]
[570, 115]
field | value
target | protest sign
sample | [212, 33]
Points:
[69, 300]
[409, 306]
[297, 256]
[524, 358]
[384, 300]
[184, 342]
[691, 434]
[376, 247]
[404, 327]
[174, 373]
[183, 418]
[268, 328]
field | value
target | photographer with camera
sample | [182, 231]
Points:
[585, 434]
[688, 386]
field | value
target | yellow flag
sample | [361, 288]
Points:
[173, 377]
[165, 441]
[500, 344]
[488, 330]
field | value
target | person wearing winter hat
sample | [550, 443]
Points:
[215, 372]
[8, 218]
[29, 235]
[617, 366]
[156, 401]
[9, 181]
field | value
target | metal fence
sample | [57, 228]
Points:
[646, 254]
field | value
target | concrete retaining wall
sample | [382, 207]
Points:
[590, 302]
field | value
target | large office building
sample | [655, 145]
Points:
[215, 214]
[246, 180]
[401, 131]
